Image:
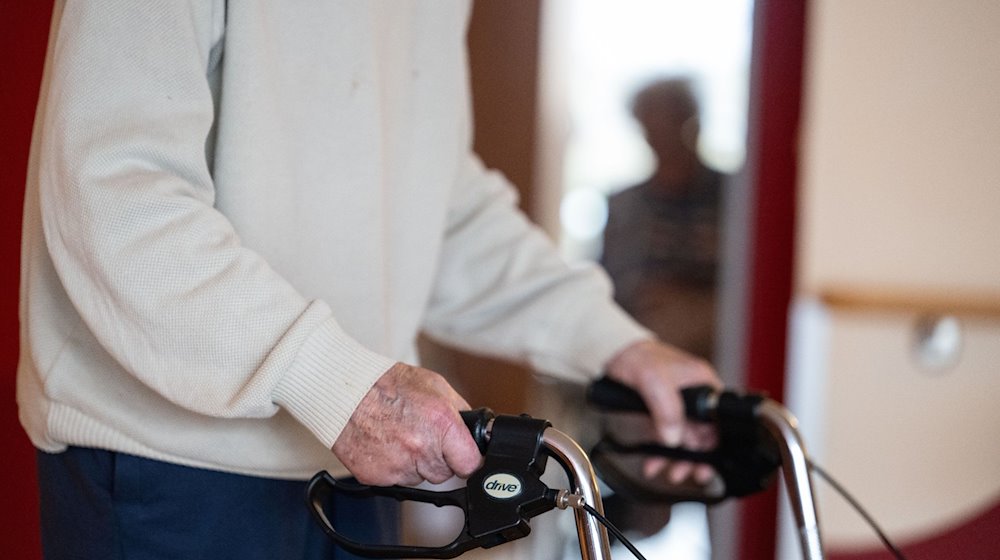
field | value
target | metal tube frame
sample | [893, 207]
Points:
[593, 537]
[780, 423]
[795, 471]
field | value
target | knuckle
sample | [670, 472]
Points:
[413, 445]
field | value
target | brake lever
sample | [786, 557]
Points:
[323, 485]
[498, 499]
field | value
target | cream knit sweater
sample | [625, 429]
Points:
[240, 214]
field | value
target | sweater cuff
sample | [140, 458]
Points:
[330, 375]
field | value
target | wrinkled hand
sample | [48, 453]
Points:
[406, 430]
[658, 372]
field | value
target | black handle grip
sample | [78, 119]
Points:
[478, 422]
[610, 395]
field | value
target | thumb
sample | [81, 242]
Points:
[459, 449]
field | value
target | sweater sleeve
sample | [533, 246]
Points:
[504, 290]
[154, 270]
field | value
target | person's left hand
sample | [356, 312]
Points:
[658, 372]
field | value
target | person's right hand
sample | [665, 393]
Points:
[658, 372]
[406, 430]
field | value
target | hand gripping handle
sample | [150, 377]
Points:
[611, 395]
[746, 457]
[498, 499]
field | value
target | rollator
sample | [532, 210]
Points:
[757, 438]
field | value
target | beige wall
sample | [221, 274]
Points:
[900, 216]
[901, 146]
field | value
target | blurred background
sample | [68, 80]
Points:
[858, 252]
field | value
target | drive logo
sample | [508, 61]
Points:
[502, 486]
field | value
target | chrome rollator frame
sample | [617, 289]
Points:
[779, 422]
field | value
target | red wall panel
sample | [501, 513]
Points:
[971, 539]
[22, 42]
[772, 169]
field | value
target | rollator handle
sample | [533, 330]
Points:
[746, 457]
[498, 499]
[756, 436]
[702, 403]
[610, 395]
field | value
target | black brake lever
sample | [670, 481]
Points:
[498, 499]
[322, 486]
[746, 457]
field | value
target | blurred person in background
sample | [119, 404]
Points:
[661, 243]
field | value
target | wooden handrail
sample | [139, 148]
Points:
[982, 303]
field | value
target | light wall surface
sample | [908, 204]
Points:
[901, 147]
[899, 218]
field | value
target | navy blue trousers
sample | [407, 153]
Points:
[101, 505]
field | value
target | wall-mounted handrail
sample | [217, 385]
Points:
[960, 302]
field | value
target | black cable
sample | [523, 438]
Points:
[857, 507]
[614, 531]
